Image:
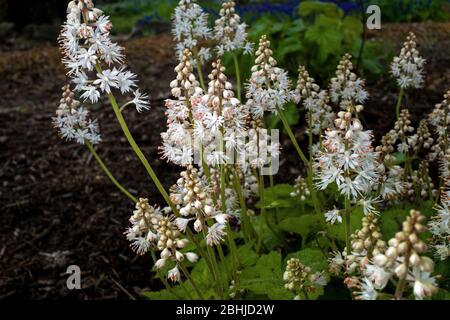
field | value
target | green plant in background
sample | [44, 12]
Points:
[126, 15]
[413, 10]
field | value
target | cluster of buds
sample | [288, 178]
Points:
[143, 232]
[87, 48]
[299, 279]
[404, 259]
[190, 28]
[301, 189]
[347, 158]
[346, 89]
[386, 149]
[220, 118]
[440, 227]
[314, 100]
[269, 87]
[420, 183]
[195, 201]
[408, 67]
[229, 32]
[178, 139]
[153, 229]
[368, 240]
[403, 130]
[422, 139]
[185, 84]
[169, 243]
[72, 120]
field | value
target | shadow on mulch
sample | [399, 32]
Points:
[57, 207]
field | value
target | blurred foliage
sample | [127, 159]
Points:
[413, 10]
[317, 39]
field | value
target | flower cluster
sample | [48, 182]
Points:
[346, 89]
[154, 229]
[439, 119]
[403, 260]
[169, 243]
[301, 189]
[88, 51]
[407, 68]
[300, 279]
[269, 86]
[220, 120]
[73, 121]
[143, 232]
[190, 27]
[178, 139]
[314, 100]
[195, 201]
[347, 158]
[440, 227]
[229, 32]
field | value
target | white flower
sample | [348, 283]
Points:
[368, 205]
[216, 234]
[91, 93]
[377, 275]
[368, 291]
[333, 216]
[424, 284]
[174, 274]
[107, 79]
[141, 101]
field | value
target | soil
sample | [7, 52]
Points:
[58, 208]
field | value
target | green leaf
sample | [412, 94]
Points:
[265, 276]
[327, 36]
[313, 8]
[312, 258]
[302, 225]
[247, 257]
[392, 219]
[279, 196]
[337, 230]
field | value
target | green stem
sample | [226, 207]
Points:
[136, 148]
[238, 75]
[287, 127]
[224, 262]
[108, 173]
[140, 154]
[199, 68]
[348, 227]
[309, 179]
[399, 102]
[125, 105]
[246, 224]
[191, 280]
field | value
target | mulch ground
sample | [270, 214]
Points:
[57, 207]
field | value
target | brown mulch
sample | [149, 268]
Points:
[57, 207]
